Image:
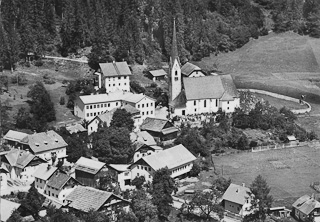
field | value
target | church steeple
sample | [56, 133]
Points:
[174, 47]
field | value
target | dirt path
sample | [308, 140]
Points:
[68, 59]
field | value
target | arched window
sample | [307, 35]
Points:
[176, 72]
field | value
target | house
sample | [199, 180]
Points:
[159, 128]
[106, 118]
[237, 199]
[191, 70]
[21, 164]
[76, 128]
[3, 177]
[142, 137]
[89, 106]
[13, 138]
[114, 76]
[306, 207]
[178, 159]
[144, 150]
[123, 175]
[59, 185]
[157, 75]
[7, 208]
[205, 94]
[292, 140]
[279, 212]
[85, 199]
[42, 176]
[89, 171]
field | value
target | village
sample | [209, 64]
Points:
[164, 142]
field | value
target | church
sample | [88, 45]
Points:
[198, 94]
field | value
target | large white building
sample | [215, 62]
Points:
[114, 76]
[194, 93]
[89, 106]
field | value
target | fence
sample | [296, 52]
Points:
[315, 143]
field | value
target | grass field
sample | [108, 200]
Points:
[284, 63]
[289, 172]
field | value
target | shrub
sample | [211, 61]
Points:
[137, 87]
[62, 101]
[153, 85]
[38, 62]
[49, 81]
[194, 172]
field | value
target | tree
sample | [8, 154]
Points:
[195, 170]
[221, 184]
[261, 200]
[95, 216]
[23, 118]
[122, 118]
[138, 182]
[207, 203]
[15, 216]
[163, 186]
[33, 202]
[142, 206]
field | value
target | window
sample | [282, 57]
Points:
[91, 114]
[138, 167]
[119, 77]
[109, 85]
[143, 113]
[176, 78]
[151, 104]
[87, 107]
[228, 108]
[216, 102]
[105, 105]
[176, 73]
[195, 102]
[138, 174]
[205, 103]
[94, 106]
[147, 104]
[127, 182]
[151, 112]
[119, 84]
[138, 106]
[125, 77]
[114, 78]
[147, 112]
[87, 114]
[108, 104]
[56, 196]
[90, 106]
[142, 105]
[114, 84]
[116, 103]
[138, 155]
[125, 84]
[149, 176]
[95, 114]
[195, 110]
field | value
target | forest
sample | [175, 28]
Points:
[138, 30]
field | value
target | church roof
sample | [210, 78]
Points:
[180, 101]
[174, 46]
[230, 88]
[207, 87]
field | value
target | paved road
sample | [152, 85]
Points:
[67, 59]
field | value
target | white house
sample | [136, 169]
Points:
[21, 164]
[237, 199]
[114, 76]
[204, 94]
[178, 159]
[42, 175]
[306, 207]
[123, 175]
[89, 106]
[144, 150]
[106, 117]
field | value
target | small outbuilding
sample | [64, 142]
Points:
[157, 74]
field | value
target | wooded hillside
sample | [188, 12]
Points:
[134, 30]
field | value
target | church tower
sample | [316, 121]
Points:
[175, 83]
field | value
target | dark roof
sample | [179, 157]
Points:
[58, 180]
[88, 198]
[89, 165]
[154, 124]
[115, 69]
[180, 101]
[188, 68]
[45, 141]
[159, 72]
[21, 158]
[206, 87]
[230, 89]
[174, 46]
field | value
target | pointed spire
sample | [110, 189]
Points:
[174, 49]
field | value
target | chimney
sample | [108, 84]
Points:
[243, 184]
[312, 196]
[48, 167]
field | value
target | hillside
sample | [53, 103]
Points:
[286, 63]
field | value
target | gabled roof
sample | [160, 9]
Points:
[115, 69]
[158, 72]
[189, 68]
[119, 167]
[75, 128]
[135, 98]
[306, 204]
[45, 171]
[21, 158]
[141, 145]
[13, 135]
[89, 165]
[171, 158]
[206, 87]
[231, 91]
[104, 98]
[59, 179]
[45, 141]
[236, 194]
[180, 101]
[7, 207]
[142, 137]
[88, 198]
[154, 124]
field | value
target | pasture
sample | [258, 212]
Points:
[289, 172]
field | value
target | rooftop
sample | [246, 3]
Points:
[7, 207]
[14, 135]
[58, 180]
[119, 167]
[171, 158]
[158, 72]
[45, 172]
[21, 158]
[45, 141]
[104, 98]
[89, 165]
[135, 98]
[142, 137]
[306, 204]
[236, 194]
[154, 124]
[115, 69]
[188, 68]
[230, 89]
[76, 128]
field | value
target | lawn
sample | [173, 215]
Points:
[284, 63]
[289, 172]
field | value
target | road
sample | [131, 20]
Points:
[67, 59]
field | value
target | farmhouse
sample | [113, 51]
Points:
[159, 74]
[13, 138]
[89, 171]
[305, 207]
[237, 199]
[123, 175]
[76, 128]
[144, 150]
[89, 106]
[114, 76]
[21, 164]
[191, 70]
[85, 199]
[178, 159]
[205, 94]
[42, 175]
[159, 128]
